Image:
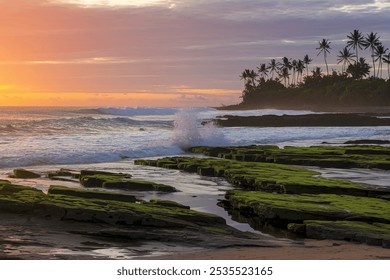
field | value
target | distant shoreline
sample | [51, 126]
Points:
[330, 109]
[312, 120]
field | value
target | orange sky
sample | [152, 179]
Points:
[159, 53]
[56, 54]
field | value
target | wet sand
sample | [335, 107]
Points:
[32, 238]
[310, 250]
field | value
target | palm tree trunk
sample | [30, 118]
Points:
[327, 70]
[357, 55]
[388, 70]
[373, 61]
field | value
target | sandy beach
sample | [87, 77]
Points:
[309, 250]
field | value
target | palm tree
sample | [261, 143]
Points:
[359, 69]
[285, 75]
[371, 41]
[356, 41]
[379, 53]
[345, 57]
[324, 48]
[300, 67]
[252, 77]
[263, 70]
[294, 65]
[244, 75]
[317, 72]
[273, 67]
[285, 67]
[307, 60]
[386, 59]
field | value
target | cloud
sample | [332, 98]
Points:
[55, 46]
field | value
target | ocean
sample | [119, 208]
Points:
[46, 139]
[33, 136]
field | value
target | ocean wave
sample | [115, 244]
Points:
[85, 155]
[80, 124]
[138, 111]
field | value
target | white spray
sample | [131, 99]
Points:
[188, 132]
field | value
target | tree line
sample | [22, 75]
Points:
[290, 74]
[290, 71]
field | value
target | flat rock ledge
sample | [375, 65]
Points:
[124, 216]
[293, 198]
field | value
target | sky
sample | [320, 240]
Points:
[174, 53]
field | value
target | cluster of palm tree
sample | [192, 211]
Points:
[371, 41]
[282, 69]
[352, 64]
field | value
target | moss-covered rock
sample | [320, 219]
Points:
[282, 209]
[90, 194]
[266, 176]
[94, 206]
[358, 156]
[24, 174]
[168, 203]
[372, 234]
[93, 179]
[133, 185]
[64, 175]
[19, 199]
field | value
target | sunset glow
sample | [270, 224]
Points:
[179, 53]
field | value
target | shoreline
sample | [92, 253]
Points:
[309, 250]
[327, 109]
[290, 249]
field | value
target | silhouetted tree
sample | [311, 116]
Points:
[379, 53]
[307, 60]
[386, 59]
[300, 68]
[356, 41]
[285, 75]
[371, 41]
[359, 69]
[263, 70]
[284, 70]
[324, 47]
[273, 67]
[345, 57]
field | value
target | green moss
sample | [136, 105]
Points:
[372, 234]
[96, 206]
[4, 182]
[55, 190]
[168, 203]
[326, 156]
[24, 174]
[123, 182]
[98, 180]
[265, 176]
[292, 208]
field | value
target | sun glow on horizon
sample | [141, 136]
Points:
[185, 98]
[117, 3]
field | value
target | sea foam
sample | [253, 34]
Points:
[188, 131]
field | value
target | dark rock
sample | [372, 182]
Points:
[91, 194]
[297, 228]
[168, 203]
[337, 119]
[24, 174]
[367, 141]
